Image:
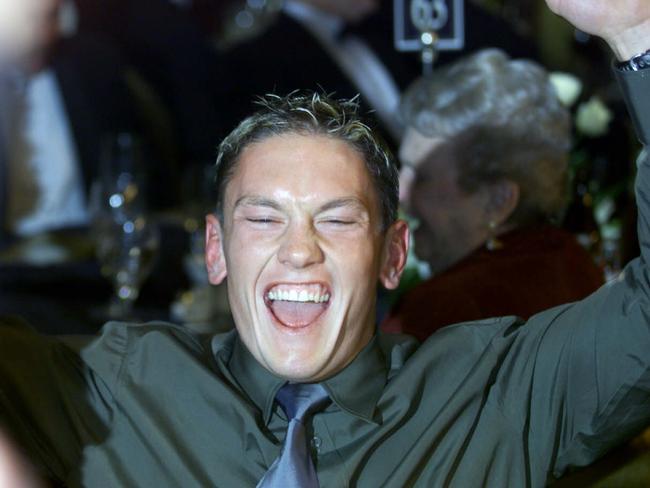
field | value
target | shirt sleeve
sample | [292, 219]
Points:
[51, 402]
[590, 361]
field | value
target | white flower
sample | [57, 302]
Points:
[422, 268]
[567, 87]
[593, 117]
[604, 210]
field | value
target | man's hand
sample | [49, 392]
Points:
[624, 24]
[14, 470]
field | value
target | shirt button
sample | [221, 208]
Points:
[316, 443]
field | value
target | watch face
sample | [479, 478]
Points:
[636, 63]
[643, 61]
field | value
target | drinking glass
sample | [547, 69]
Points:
[126, 238]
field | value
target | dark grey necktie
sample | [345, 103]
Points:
[294, 467]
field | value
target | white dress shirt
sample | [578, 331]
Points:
[45, 189]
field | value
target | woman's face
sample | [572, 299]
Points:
[452, 222]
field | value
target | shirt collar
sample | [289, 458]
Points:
[241, 368]
[356, 389]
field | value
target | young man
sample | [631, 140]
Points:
[305, 229]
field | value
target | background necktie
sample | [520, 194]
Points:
[10, 82]
[294, 467]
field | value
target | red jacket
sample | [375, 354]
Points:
[536, 269]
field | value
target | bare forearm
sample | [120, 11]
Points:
[631, 42]
[15, 472]
[624, 24]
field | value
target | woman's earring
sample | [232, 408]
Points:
[493, 243]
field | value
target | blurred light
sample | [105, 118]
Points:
[256, 4]
[126, 292]
[131, 189]
[116, 200]
[128, 227]
[244, 19]
[68, 19]
[427, 38]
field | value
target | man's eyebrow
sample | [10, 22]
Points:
[259, 201]
[351, 202]
[256, 201]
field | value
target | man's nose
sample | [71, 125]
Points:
[300, 247]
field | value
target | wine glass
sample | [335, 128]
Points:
[126, 238]
[203, 307]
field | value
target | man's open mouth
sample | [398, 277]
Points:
[297, 305]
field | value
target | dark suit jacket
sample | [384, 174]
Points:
[287, 57]
[96, 98]
[99, 100]
[169, 48]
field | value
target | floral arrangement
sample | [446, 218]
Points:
[597, 195]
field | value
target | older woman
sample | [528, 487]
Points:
[485, 173]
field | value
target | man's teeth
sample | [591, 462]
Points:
[298, 296]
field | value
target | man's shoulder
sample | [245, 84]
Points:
[463, 340]
[140, 343]
[462, 361]
[127, 335]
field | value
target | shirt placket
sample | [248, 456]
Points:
[330, 465]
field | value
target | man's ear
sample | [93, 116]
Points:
[396, 245]
[215, 259]
[503, 200]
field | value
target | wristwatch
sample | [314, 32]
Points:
[636, 63]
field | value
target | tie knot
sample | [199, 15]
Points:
[301, 399]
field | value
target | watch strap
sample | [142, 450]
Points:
[636, 63]
[635, 85]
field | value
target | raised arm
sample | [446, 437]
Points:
[623, 24]
[590, 361]
[15, 472]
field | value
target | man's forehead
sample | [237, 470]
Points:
[302, 151]
[315, 166]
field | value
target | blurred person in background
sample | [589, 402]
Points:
[312, 44]
[169, 44]
[59, 95]
[485, 174]
[342, 47]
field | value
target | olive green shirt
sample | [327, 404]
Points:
[492, 403]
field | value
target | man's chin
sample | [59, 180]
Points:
[299, 369]
[296, 358]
